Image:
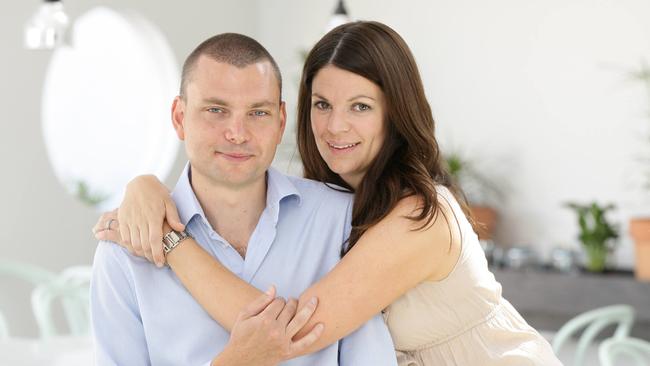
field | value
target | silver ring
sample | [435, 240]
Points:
[108, 224]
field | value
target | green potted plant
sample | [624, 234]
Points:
[640, 226]
[481, 193]
[597, 235]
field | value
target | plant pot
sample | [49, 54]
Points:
[640, 232]
[486, 218]
[595, 257]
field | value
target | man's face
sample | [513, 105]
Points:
[231, 120]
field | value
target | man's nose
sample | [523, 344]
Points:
[237, 132]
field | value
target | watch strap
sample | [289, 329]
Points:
[172, 239]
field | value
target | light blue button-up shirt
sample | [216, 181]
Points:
[142, 315]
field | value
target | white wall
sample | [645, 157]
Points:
[39, 222]
[536, 92]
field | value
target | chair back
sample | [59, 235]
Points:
[72, 289]
[593, 322]
[25, 272]
[633, 349]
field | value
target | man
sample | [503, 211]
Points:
[265, 227]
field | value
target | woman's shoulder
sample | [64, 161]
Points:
[412, 205]
[434, 239]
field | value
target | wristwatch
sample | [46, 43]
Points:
[172, 239]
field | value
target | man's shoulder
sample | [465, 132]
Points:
[316, 192]
[113, 257]
[109, 251]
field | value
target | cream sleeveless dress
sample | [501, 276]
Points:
[463, 320]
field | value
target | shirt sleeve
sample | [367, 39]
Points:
[371, 344]
[116, 323]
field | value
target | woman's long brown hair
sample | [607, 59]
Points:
[409, 162]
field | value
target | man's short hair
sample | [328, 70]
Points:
[230, 48]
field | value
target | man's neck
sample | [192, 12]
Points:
[233, 212]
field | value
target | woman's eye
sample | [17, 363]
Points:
[360, 107]
[321, 105]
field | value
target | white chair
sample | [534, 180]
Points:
[634, 349]
[593, 322]
[24, 272]
[72, 289]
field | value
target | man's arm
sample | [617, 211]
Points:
[117, 326]
[371, 344]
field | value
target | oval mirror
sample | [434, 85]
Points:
[106, 106]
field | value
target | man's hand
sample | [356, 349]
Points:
[264, 331]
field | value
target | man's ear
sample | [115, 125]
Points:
[283, 120]
[178, 117]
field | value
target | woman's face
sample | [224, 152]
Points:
[347, 118]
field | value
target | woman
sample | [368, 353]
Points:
[364, 124]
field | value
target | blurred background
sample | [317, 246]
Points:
[542, 111]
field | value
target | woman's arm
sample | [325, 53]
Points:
[387, 261]
[390, 258]
[263, 332]
[199, 272]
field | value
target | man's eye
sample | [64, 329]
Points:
[360, 107]
[215, 110]
[321, 105]
[260, 113]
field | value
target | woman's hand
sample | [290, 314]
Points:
[145, 205]
[108, 228]
[140, 218]
[264, 331]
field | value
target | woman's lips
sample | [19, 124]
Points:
[337, 147]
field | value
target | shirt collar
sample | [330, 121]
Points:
[279, 186]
